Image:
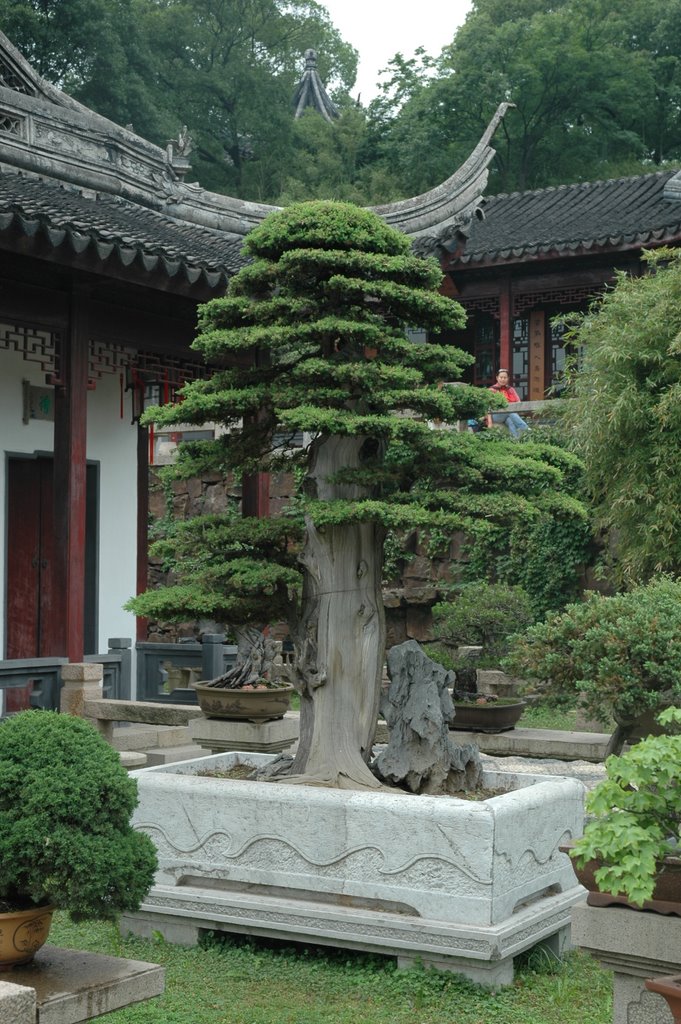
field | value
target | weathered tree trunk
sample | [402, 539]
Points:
[341, 642]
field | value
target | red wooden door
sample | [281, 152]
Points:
[32, 627]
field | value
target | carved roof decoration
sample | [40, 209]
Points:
[568, 219]
[311, 92]
[45, 133]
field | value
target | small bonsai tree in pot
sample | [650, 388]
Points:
[616, 657]
[65, 835]
[630, 849]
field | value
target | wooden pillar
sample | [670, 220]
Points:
[505, 313]
[537, 354]
[70, 449]
[255, 495]
[142, 522]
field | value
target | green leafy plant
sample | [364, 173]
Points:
[483, 614]
[614, 656]
[637, 815]
[65, 833]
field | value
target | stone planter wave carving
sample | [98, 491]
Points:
[460, 884]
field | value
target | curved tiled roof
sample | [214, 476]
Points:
[569, 218]
[117, 229]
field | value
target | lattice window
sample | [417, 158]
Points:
[520, 356]
[11, 80]
[489, 304]
[108, 359]
[11, 124]
[560, 296]
[35, 344]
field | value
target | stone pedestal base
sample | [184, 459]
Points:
[636, 945]
[182, 914]
[219, 735]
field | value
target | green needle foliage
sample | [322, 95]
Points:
[65, 808]
[311, 337]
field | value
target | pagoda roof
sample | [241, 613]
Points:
[311, 93]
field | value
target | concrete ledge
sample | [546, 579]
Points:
[70, 986]
[132, 759]
[565, 746]
[220, 735]
[636, 945]
[169, 755]
[147, 712]
[17, 1004]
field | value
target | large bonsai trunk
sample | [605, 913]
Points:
[340, 645]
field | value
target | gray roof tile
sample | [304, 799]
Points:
[568, 218]
[117, 229]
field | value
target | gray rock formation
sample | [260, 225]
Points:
[418, 709]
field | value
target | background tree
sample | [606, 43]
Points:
[596, 87]
[317, 323]
[625, 416]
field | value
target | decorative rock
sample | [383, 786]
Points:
[418, 709]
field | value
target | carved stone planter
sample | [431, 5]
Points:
[463, 885]
[244, 705]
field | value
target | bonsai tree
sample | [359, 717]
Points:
[65, 833]
[636, 815]
[613, 656]
[311, 338]
[484, 614]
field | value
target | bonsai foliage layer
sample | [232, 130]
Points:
[312, 338]
[637, 815]
[65, 808]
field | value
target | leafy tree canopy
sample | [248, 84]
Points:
[625, 415]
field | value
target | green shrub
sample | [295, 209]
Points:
[613, 656]
[483, 614]
[65, 807]
[637, 810]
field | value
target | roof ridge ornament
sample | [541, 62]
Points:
[311, 92]
[672, 190]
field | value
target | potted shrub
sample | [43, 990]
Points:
[252, 689]
[485, 615]
[65, 835]
[630, 849]
[616, 657]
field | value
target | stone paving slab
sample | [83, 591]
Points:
[72, 986]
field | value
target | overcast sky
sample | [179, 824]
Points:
[378, 29]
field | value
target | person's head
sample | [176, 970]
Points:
[503, 377]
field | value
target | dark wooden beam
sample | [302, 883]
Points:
[142, 521]
[255, 495]
[70, 447]
[505, 314]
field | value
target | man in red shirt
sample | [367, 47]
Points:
[515, 423]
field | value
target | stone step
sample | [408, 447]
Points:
[132, 759]
[168, 755]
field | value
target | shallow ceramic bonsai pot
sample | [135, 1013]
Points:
[666, 897]
[22, 933]
[496, 716]
[256, 705]
[461, 884]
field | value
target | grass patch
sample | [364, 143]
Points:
[235, 981]
[540, 716]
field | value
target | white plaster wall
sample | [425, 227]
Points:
[112, 442]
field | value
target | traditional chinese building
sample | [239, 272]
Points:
[540, 253]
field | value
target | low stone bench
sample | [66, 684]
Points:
[103, 713]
